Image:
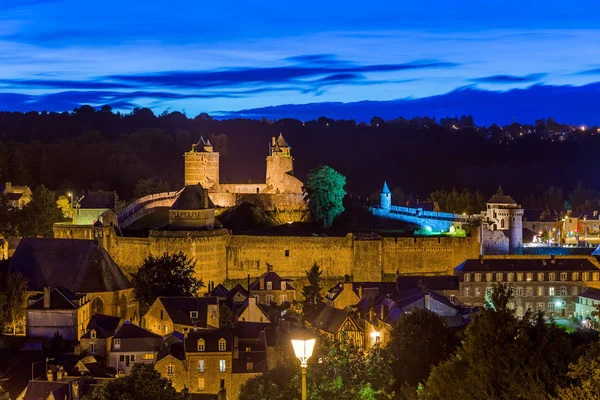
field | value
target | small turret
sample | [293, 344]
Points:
[280, 146]
[385, 199]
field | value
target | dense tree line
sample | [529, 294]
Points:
[99, 149]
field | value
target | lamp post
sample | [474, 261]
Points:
[303, 344]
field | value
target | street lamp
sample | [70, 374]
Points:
[304, 345]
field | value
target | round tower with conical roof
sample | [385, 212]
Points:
[385, 199]
[280, 168]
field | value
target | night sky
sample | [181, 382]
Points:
[200, 56]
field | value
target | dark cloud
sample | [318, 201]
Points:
[595, 71]
[317, 59]
[62, 84]
[509, 79]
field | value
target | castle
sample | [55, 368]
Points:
[500, 225]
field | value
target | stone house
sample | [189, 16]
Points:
[93, 207]
[81, 266]
[58, 311]
[181, 314]
[17, 196]
[132, 344]
[540, 284]
[99, 334]
[209, 356]
[270, 288]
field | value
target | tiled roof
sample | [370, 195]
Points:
[193, 197]
[274, 278]
[331, 319]
[219, 291]
[501, 199]
[591, 293]
[60, 299]
[98, 200]
[135, 338]
[104, 325]
[78, 265]
[526, 264]
[211, 340]
[41, 390]
[179, 309]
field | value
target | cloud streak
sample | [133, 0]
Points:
[509, 79]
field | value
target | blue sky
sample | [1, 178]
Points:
[231, 55]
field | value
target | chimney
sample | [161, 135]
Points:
[50, 375]
[428, 301]
[269, 268]
[384, 312]
[481, 259]
[9, 185]
[262, 282]
[46, 297]
[346, 278]
[360, 294]
[372, 315]
[60, 373]
[272, 143]
[205, 193]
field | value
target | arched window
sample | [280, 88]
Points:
[501, 224]
[222, 344]
[123, 305]
[97, 305]
[201, 345]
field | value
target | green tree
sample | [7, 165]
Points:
[325, 191]
[14, 300]
[144, 382]
[584, 377]
[167, 275]
[419, 341]
[64, 204]
[38, 217]
[504, 357]
[226, 316]
[312, 291]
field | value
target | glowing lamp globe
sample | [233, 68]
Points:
[303, 347]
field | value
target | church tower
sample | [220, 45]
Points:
[201, 165]
[385, 199]
[280, 168]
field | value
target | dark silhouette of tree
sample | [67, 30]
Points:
[312, 291]
[38, 217]
[167, 275]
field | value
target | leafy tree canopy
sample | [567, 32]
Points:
[325, 191]
[38, 217]
[312, 291]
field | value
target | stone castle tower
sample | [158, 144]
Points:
[385, 198]
[201, 165]
[280, 168]
[504, 215]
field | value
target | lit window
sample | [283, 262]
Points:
[201, 384]
[93, 334]
[530, 291]
[117, 343]
[529, 276]
[193, 314]
[519, 276]
[283, 285]
[541, 306]
[170, 369]
[222, 366]
[200, 365]
[595, 276]
[200, 344]
[466, 292]
[540, 290]
[489, 277]
[148, 356]
[269, 285]
[575, 276]
[222, 344]
[499, 277]
[166, 328]
[563, 276]
[249, 366]
[477, 277]
[477, 292]
[551, 291]
[540, 276]
[585, 276]
[510, 276]
[283, 298]
[467, 277]
[575, 291]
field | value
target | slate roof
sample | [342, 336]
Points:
[14, 196]
[219, 291]
[386, 189]
[104, 325]
[273, 277]
[40, 390]
[591, 293]
[134, 338]
[431, 282]
[331, 319]
[60, 299]
[193, 197]
[526, 264]
[178, 309]
[98, 200]
[211, 340]
[281, 142]
[78, 265]
[237, 289]
[172, 345]
[501, 199]
[199, 147]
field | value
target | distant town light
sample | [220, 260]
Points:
[583, 127]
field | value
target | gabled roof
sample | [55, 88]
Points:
[219, 291]
[41, 390]
[60, 299]
[525, 265]
[104, 325]
[134, 339]
[179, 307]
[131, 331]
[14, 196]
[591, 293]
[98, 200]
[193, 197]
[386, 189]
[78, 265]
[282, 143]
[331, 319]
[274, 278]
[501, 199]
[172, 345]
[211, 340]
[237, 289]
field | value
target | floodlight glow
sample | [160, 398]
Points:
[428, 228]
[303, 348]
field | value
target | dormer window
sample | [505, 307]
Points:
[201, 345]
[269, 285]
[93, 334]
[222, 344]
[283, 285]
[193, 314]
[117, 343]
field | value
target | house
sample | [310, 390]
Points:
[81, 266]
[132, 344]
[168, 314]
[93, 369]
[95, 206]
[58, 311]
[250, 311]
[57, 387]
[98, 336]
[551, 285]
[17, 196]
[338, 324]
[270, 288]
[587, 304]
